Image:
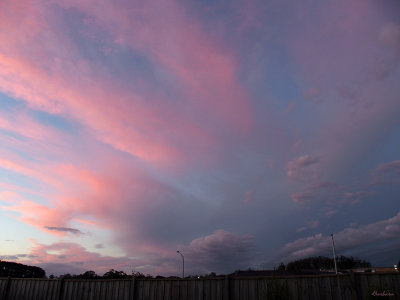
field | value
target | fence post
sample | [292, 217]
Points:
[354, 284]
[226, 288]
[132, 289]
[7, 287]
[60, 288]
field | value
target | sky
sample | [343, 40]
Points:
[241, 133]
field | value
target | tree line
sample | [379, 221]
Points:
[325, 263]
[17, 270]
[111, 274]
[318, 263]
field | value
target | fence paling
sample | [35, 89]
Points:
[348, 286]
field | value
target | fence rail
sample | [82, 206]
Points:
[352, 286]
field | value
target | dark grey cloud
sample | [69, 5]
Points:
[220, 252]
[348, 238]
[61, 268]
[64, 229]
[17, 256]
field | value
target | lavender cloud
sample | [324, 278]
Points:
[302, 168]
[387, 173]
[348, 238]
[221, 250]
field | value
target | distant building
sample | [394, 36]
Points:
[375, 269]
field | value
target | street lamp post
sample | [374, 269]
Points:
[183, 264]
[334, 253]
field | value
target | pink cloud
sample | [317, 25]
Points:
[206, 68]
[9, 196]
[310, 225]
[313, 189]
[307, 171]
[249, 197]
[303, 168]
[390, 34]
[120, 196]
[69, 191]
[39, 215]
[59, 176]
[302, 197]
[387, 173]
[331, 212]
[18, 165]
[24, 125]
[43, 66]
[59, 258]
[312, 94]
[351, 65]
[291, 106]
[356, 197]
[221, 250]
[192, 110]
[156, 132]
[19, 190]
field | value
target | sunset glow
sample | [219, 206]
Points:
[242, 133]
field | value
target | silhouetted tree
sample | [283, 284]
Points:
[137, 275]
[211, 275]
[322, 262]
[351, 262]
[311, 263]
[281, 267]
[16, 270]
[88, 275]
[114, 274]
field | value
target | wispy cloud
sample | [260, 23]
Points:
[310, 225]
[64, 229]
[387, 173]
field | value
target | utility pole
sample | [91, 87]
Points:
[183, 264]
[334, 253]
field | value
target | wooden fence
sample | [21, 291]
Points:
[331, 287]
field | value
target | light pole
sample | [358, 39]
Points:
[334, 253]
[183, 264]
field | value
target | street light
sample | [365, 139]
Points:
[334, 253]
[183, 264]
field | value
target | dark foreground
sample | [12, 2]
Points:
[330, 287]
